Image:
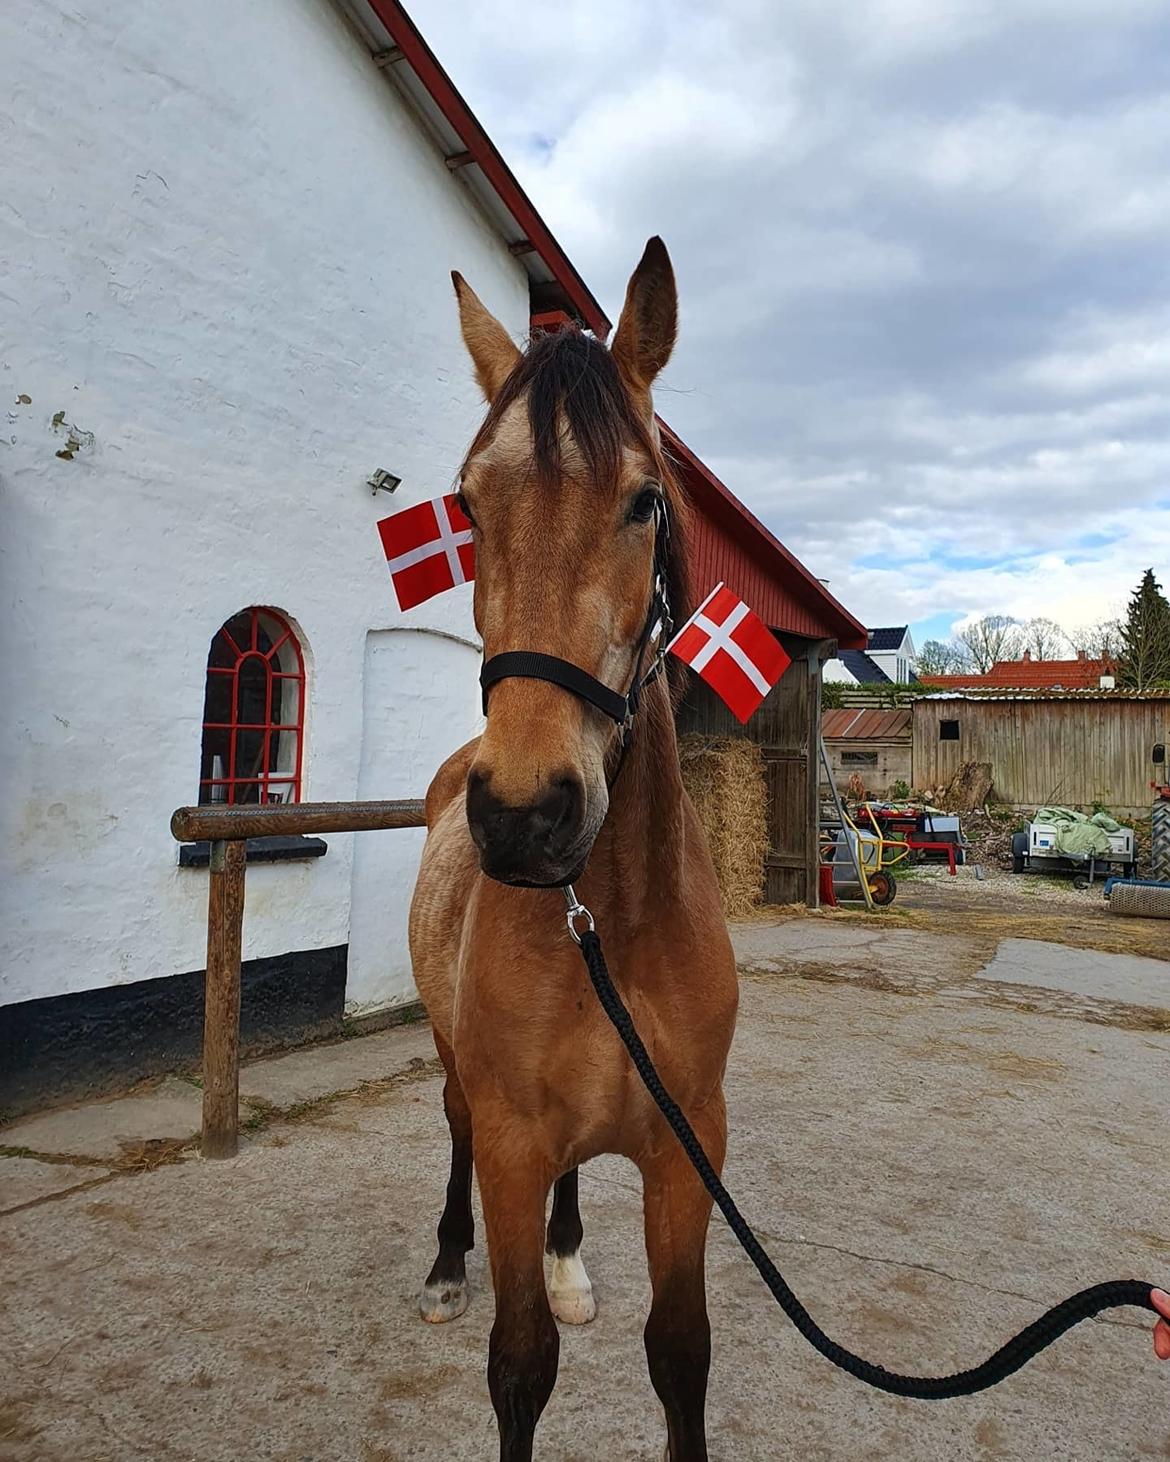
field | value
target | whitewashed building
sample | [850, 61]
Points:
[226, 303]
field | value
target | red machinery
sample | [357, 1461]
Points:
[920, 831]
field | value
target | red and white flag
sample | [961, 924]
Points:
[429, 549]
[732, 649]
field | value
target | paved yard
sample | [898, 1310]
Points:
[935, 1151]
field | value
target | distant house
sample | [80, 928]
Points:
[1083, 673]
[889, 656]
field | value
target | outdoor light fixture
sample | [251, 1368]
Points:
[381, 480]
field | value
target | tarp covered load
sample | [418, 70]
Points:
[1077, 835]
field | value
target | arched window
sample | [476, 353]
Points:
[253, 712]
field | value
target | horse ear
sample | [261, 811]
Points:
[493, 351]
[649, 322]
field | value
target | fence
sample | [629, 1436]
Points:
[227, 829]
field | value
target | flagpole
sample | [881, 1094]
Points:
[693, 617]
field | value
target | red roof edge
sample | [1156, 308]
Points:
[483, 150]
[851, 633]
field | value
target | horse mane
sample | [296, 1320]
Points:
[572, 386]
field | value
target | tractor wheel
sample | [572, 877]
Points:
[1160, 842]
[882, 888]
[1019, 852]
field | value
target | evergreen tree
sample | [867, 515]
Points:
[1145, 637]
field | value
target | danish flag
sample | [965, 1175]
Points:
[732, 649]
[429, 549]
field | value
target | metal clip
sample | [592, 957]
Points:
[575, 910]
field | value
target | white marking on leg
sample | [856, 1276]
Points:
[438, 1303]
[569, 1292]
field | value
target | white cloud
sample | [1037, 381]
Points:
[922, 249]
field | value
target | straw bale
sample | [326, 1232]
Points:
[725, 778]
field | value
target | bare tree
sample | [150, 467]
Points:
[942, 657]
[1044, 638]
[992, 638]
[1101, 641]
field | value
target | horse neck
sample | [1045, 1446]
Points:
[639, 851]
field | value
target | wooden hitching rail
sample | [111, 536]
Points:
[227, 830]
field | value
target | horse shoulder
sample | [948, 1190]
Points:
[442, 891]
[449, 781]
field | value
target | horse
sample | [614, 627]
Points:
[566, 485]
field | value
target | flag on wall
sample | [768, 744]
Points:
[732, 649]
[428, 548]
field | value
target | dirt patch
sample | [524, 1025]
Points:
[1002, 1062]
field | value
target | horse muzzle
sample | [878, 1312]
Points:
[540, 844]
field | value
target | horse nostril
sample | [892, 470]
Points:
[479, 807]
[566, 807]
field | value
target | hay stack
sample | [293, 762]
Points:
[725, 779]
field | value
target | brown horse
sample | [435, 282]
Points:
[564, 484]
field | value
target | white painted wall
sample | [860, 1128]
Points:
[438, 677]
[898, 664]
[836, 672]
[226, 246]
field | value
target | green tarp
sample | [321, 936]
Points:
[1078, 836]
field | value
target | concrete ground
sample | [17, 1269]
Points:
[934, 1150]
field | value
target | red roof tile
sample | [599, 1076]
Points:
[1031, 675]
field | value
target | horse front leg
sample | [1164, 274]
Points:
[569, 1291]
[444, 1295]
[514, 1179]
[677, 1209]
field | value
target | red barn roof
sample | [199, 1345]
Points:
[729, 542]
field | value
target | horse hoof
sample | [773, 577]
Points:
[441, 1302]
[570, 1294]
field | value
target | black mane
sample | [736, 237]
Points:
[570, 379]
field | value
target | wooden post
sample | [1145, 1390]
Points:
[817, 655]
[221, 1000]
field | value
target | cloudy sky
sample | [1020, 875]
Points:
[923, 250]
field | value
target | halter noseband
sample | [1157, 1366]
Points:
[532, 665]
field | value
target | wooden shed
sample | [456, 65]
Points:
[729, 543]
[869, 743]
[1070, 747]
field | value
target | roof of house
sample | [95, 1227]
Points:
[866, 725]
[862, 668]
[887, 639]
[400, 51]
[1082, 673]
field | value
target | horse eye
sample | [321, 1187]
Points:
[461, 503]
[645, 504]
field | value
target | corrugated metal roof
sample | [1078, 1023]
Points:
[865, 725]
[1026, 694]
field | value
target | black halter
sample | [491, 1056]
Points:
[532, 665]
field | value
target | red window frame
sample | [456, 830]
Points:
[228, 658]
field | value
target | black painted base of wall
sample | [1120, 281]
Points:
[98, 1042]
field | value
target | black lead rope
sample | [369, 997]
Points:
[1007, 1359]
